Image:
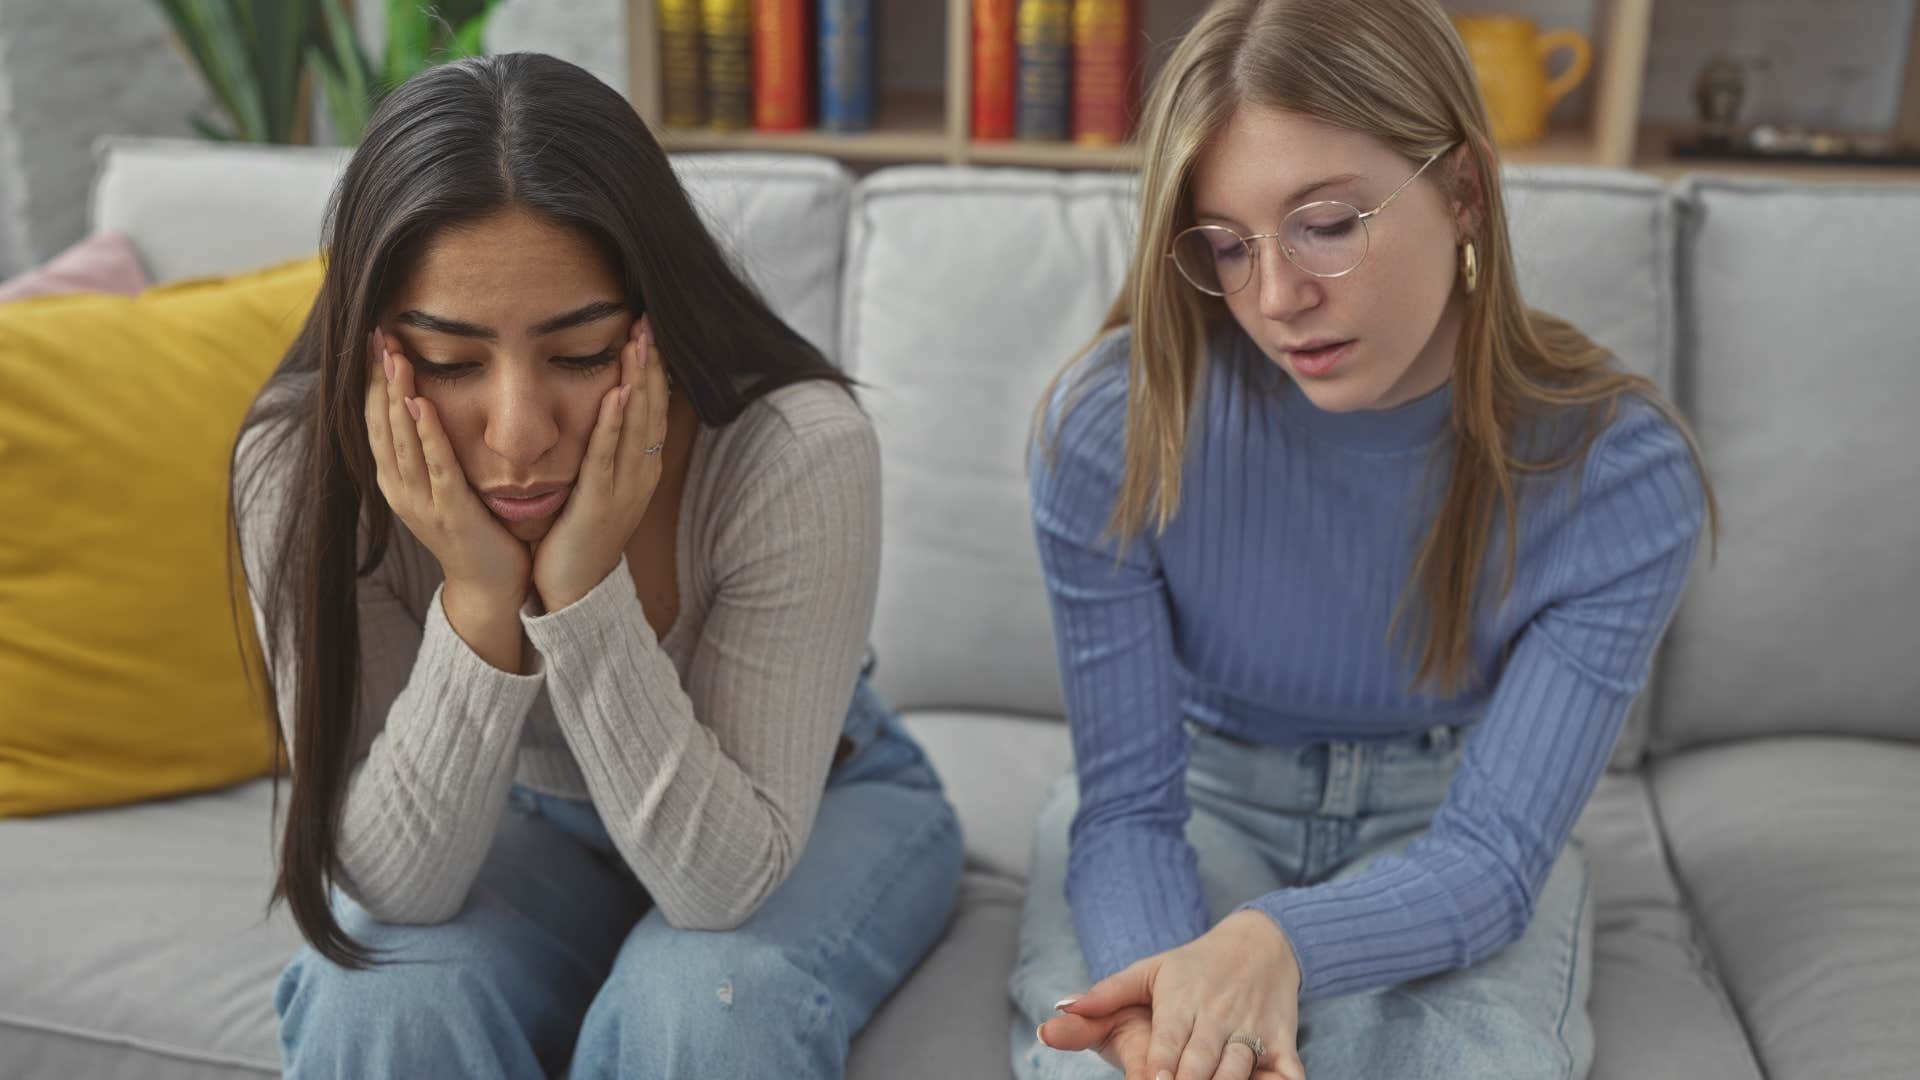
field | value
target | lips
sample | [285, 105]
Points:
[1318, 362]
[548, 500]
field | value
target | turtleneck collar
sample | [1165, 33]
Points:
[1409, 426]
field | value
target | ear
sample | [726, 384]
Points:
[1468, 198]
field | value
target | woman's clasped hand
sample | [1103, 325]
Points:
[1198, 1012]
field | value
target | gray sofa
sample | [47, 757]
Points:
[1756, 845]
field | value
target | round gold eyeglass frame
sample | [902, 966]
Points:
[1253, 249]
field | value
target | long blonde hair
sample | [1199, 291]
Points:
[1396, 70]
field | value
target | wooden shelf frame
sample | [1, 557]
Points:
[939, 131]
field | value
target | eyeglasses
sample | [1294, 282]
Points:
[1326, 239]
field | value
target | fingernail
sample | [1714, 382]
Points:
[626, 395]
[1042, 1038]
[413, 407]
[1163, 1075]
[386, 361]
[1064, 1002]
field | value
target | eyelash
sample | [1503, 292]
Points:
[576, 365]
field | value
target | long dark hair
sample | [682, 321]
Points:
[453, 144]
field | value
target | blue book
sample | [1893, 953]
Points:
[846, 65]
[1043, 32]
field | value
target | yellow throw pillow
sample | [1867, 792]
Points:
[120, 675]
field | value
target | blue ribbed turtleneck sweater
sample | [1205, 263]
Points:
[1262, 612]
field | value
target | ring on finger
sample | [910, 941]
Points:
[1253, 1043]
[654, 449]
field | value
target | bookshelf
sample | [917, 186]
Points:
[914, 125]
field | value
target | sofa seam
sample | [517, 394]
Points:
[134, 1042]
[1573, 973]
[1697, 926]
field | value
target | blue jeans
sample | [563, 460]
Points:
[1268, 817]
[556, 965]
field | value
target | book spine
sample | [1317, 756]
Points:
[1045, 35]
[728, 26]
[682, 85]
[846, 64]
[995, 69]
[1104, 60]
[781, 81]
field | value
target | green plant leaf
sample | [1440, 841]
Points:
[346, 105]
[409, 39]
[207, 130]
[276, 33]
[210, 32]
[345, 73]
[470, 39]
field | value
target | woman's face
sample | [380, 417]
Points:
[1399, 308]
[513, 326]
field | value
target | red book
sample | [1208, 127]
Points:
[1105, 56]
[782, 73]
[996, 67]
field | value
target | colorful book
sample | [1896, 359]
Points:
[782, 79]
[846, 64]
[728, 39]
[683, 96]
[1045, 38]
[996, 70]
[1105, 61]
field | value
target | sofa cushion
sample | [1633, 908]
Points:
[135, 942]
[183, 988]
[996, 768]
[138, 947]
[121, 658]
[949, 1021]
[1658, 1005]
[1597, 246]
[1802, 382]
[194, 207]
[1802, 859]
[102, 262]
[966, 289]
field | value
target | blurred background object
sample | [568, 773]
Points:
[260, 59]
[1511, 58]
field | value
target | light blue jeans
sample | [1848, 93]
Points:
[1269, 817]
[557, 965]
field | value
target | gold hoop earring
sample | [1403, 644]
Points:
[1470, 265]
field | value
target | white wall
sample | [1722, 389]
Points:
[71, 70]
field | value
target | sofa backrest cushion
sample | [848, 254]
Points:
[1803, 376]
[196, 208]
[965, 291]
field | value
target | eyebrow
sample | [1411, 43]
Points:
[591, 313]
[1293, 197]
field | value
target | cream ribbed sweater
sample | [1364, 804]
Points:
[705, 752]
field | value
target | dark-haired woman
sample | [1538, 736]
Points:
[564, 549]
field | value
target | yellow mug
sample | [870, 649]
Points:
[1510, 57]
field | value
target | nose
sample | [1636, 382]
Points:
[522, 423]
[1285, 289]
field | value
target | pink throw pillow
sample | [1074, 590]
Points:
[104, 262]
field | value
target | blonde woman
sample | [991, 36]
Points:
[1356, 564]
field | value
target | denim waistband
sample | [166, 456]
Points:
[1341, 778]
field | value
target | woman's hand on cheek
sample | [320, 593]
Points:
[422, 481]
[1239, 978]
[616, 482]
